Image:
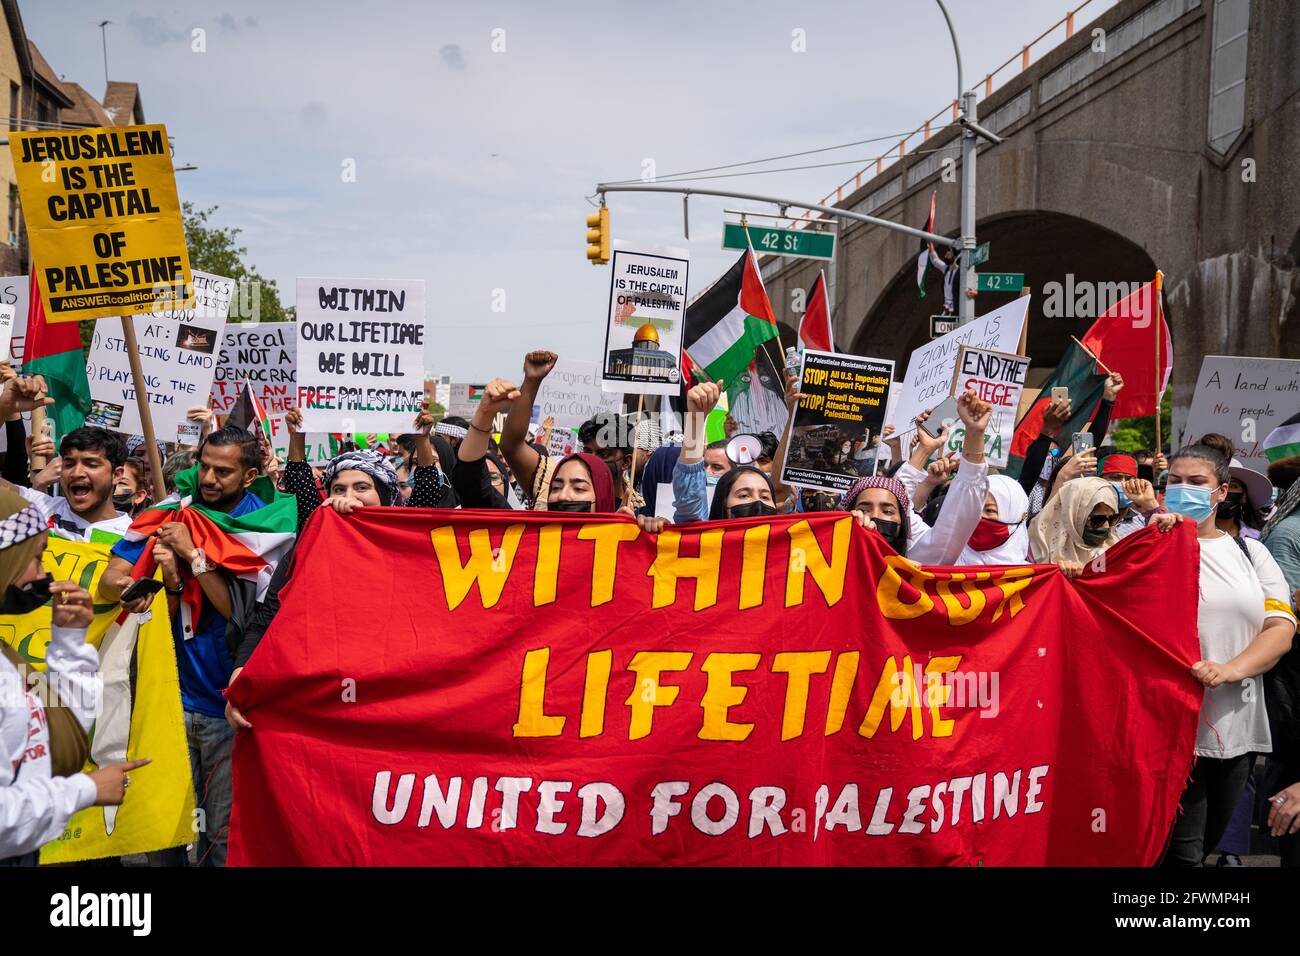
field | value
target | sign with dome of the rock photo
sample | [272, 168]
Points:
[647, 308]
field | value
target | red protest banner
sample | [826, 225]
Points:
[531, 689]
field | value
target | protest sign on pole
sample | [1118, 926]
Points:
[571, 393]
[998, 378]
[104, 220]
[1244, 398]
[930, 368]
[178, 359]
[360, 354]
[841, 411]
[13, 291]
[647, 309]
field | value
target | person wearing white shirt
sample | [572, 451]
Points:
[92, 461]
[37, 796]
[1246, 625]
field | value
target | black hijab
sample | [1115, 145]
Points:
[446, 462]
[718, 510]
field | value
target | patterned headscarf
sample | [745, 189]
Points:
[892, 485]
[373, 464]
[1056, 534]
[20, 530]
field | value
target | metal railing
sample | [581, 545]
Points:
[948, 114]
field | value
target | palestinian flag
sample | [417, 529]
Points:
[923, 264]
[248, 546]
[53, 350]
[1283, 441]
[728, 323]
[247, 413]
[815, 326]
[1078, 372]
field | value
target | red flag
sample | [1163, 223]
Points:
[1124, 339]
[815, 326]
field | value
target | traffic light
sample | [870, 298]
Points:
[598, 237]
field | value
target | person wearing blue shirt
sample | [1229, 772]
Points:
[230, 460]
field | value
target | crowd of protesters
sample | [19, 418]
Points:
[1065, 509]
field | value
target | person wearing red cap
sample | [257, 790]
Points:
[1137, 498]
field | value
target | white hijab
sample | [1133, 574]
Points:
[1013, 507]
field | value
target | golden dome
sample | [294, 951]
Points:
[647, 333]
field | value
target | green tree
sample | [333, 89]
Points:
[1133, 434]
[216, 249]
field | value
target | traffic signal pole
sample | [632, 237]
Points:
[603, 188]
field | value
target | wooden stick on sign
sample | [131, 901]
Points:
[38, 423]
[142, 403]
[631, 475]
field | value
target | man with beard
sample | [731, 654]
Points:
[229, 463]
[91, 461]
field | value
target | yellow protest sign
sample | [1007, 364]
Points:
[144, 720]
[104, 221]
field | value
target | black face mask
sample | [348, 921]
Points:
[751, 509]
[24, 600]
[1230, 506]
[1095, 537]
[575, 506]
[891, 531]
[124, 501]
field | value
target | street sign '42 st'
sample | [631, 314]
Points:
[799, 243]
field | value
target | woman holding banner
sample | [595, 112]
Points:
[43, 746]
[1246, 625]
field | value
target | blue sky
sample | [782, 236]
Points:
[472, 164]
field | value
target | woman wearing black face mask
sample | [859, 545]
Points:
[43, 745]
[743, 492]
[880, 503]
[1242, 511]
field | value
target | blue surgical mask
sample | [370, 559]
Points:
[1124, 499]
[711, 479]
[1191, 501]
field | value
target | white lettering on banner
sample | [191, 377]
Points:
[360, 361]
[1244, 398]
[178, 359]
[930, 369]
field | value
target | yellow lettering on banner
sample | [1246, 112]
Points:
[957, 614]
[1011, 582]
[599, 664]
[533, 720]
[799, 666]
[888, 590]
[547, 572]
[605, 559]
[937, 693]
[721, 695]
[829, 575]
[896, 690]
[647, 692]
[846, 672]
[753, 566]
[488, 569]
[668, 566]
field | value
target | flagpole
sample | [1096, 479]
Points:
[636, 447]
[1159, 322]
[142, 403]
[779, 362]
